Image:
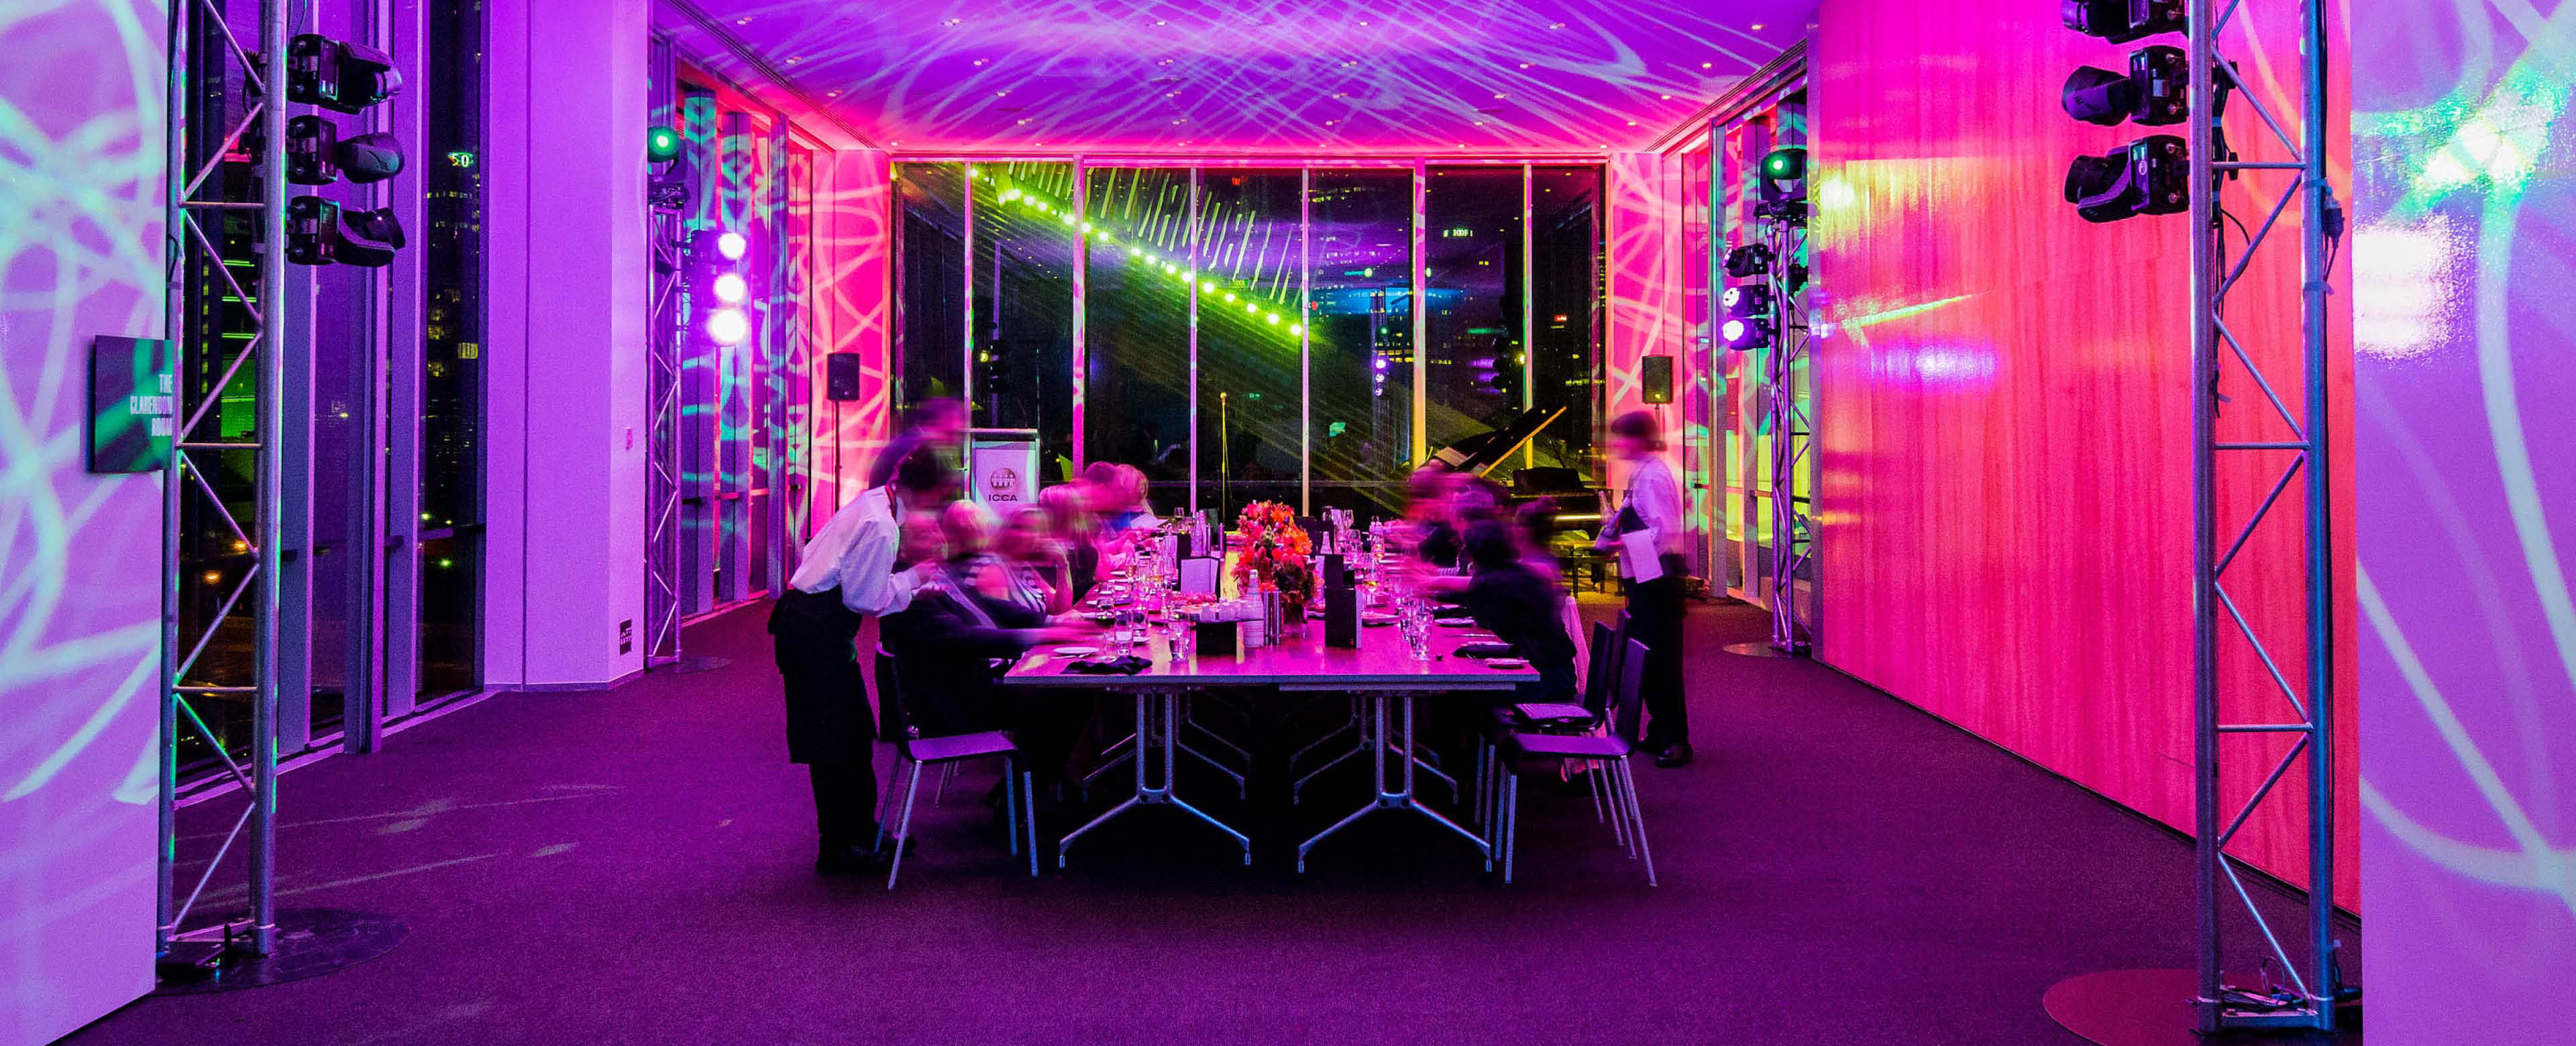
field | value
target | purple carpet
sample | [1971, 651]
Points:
[633, 866]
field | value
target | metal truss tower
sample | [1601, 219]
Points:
[1790, 434]
[2310, 985]
[228, 337]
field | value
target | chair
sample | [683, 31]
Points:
[1599, 679]
[1613, 750]
[914, 752]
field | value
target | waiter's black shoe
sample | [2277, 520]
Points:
[851, 860]
[1678, 754]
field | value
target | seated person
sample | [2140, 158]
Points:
[1520, 607]
[953, 643]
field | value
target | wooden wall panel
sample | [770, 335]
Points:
[2004, 409]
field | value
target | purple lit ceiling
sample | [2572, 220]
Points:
[1300, 76]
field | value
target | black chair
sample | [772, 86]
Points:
[1612, 750]
[1600, 678]
[914, 752]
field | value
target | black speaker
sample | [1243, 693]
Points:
[841, 376]
[1655, 376]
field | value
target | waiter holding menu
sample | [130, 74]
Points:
[1647, 534]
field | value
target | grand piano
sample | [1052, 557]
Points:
[1579, 504]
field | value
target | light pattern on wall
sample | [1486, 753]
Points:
[2466, 208]
[1198, 75]
[80, 255]
[852, 200]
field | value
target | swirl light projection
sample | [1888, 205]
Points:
[2465, 224]
[1274, 75]
[81, 98]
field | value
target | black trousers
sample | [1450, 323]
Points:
[845, 803]
[1655, 619]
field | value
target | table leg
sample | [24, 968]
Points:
[1157, 728]
[1382, 747]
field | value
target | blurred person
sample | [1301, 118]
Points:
[1520, 607]
[1533, 532]
[952, 644]
[1429, 516]
[939, 424]
[1653, 505]
[1032, 565]
[1070, 524]
[858, 565]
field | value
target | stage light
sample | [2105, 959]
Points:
[728, 326]
[731, 288]
[1295, 330]
[1785, 164]
[1169, 269]
[1752, 259]
[2121, 21]
[1251, 307]
[1741, 334]
[317, 155]
[662, 145]
[1746, 300]
[2153, 92]
[318, 232]
[732, 246]
[2147, 176]
[338, 75]
[1782, 188]
[1272, 318]
[1229, 295]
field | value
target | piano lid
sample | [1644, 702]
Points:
[1481, 452]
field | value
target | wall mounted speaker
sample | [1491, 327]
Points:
[841, 376]
[1655, 376]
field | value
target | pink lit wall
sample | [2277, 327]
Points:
[81, 185]
[1644, 263]
[2005, 403]
[853, 294]
[2465, 216]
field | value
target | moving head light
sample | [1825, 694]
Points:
[317, 155]
[2154, 91]
[338, 75]
[319, 233]
[2148, 176]
[2121, 21]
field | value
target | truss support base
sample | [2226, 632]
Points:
[2154, 1008]
[310, 942]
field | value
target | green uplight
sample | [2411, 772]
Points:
[660, 144]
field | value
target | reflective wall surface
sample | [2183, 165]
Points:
[1249, 333]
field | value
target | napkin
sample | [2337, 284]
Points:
[1484, 650]
[1123, 666]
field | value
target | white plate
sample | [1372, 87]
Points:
[1454, 622]
[1077, 651]
[1508, 663]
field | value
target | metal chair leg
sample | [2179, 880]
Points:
[1029, 810]
[903, 828]
[1011, 803]
[1637, 817]
[1511, 823]
[947, 773]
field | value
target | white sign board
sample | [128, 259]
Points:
[1002, 472]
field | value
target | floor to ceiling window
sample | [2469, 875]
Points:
[1137, 315]
[451, 458]
[1248, 333]
[1361, 387]
[1022, 272]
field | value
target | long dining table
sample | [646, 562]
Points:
[1381, 672]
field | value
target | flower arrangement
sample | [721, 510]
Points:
[1276, 553]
